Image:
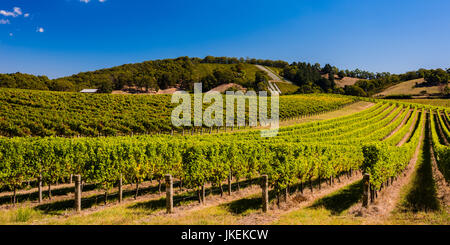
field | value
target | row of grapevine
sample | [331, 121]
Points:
[412, 121]
[442, 152]
[443, 126]
[326, 129]
[43, 113]
[297, 156]
[104, 160]
[384, 161]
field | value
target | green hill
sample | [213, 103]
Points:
[150, 75]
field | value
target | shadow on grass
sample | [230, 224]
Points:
[88, 202]
[422, 194]
[188, 196]
[254, 202]
[34, 196]
[242, 205]
[342, 199]
[160, 203]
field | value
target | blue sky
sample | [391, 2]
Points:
[62, 37]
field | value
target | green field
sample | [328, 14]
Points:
[287, 88]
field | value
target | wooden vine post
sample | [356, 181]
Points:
[78, 193]
[203, 194]
[366, 187]
[169, 194]
[40, 188]
[229, 184]
[120, 189]
[265, 193]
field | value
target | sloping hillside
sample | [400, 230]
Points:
[287, 88]
[345, 81]
[149, 76]
[224, 87]
[410, 88]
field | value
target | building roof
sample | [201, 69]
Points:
[89, 91]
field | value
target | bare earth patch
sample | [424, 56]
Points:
[168, 91]
[224, 87]
[345, 81]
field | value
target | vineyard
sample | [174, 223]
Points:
[42, 113]
[380, 142]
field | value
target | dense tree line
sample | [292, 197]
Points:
[148, 75]
[25, 81]
[183, 72]
[158, 74]
[232, 60]
[234, 74]
[309, 77]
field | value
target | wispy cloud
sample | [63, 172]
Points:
[87, 1]
[7, 13]
[16, 12]
[4, 22]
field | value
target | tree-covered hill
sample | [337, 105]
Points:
[152, 75]
[183, 72]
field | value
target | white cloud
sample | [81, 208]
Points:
[26, 15]
[6, 13]
[16, 12]
[4, 22]
[87, 1]
[40, 29]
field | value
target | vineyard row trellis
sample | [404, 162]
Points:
[197, 160]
